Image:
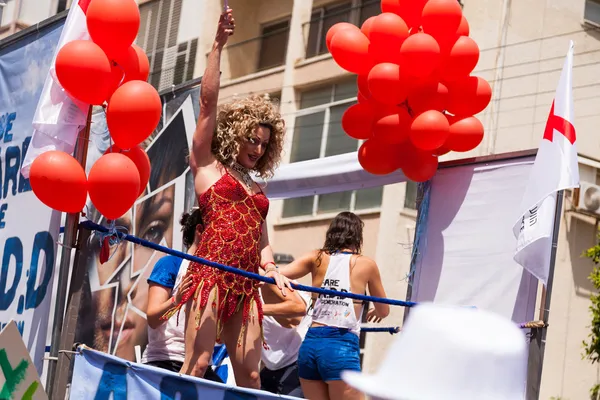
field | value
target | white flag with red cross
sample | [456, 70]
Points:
[555, 169]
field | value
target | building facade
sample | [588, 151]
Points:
[279, 48]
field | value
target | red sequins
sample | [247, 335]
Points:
[233, 221]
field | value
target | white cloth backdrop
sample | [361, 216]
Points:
[466, 254]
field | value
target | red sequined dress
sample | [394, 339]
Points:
[233, 221]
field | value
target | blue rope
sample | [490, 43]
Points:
[133, 239]
[391, 330]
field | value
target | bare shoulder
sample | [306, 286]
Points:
[366, 263]
[364, 260]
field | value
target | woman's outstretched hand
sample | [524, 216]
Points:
[281, 281]
[225, 28]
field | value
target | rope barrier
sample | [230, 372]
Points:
[133, 239]
[391, 330]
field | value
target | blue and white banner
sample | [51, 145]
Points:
[28, 229]
[101, 376]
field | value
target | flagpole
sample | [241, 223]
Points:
[537, 345]
[69, 243]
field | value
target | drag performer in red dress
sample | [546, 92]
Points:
[230, 141]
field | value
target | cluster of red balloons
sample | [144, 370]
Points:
[108, 70]
[416, 97]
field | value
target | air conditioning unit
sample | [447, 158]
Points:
[589, 198]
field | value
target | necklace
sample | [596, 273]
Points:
[243, 174]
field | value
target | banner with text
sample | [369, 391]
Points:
[101, 376]
[28, 229]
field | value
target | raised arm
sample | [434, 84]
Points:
[209, 96]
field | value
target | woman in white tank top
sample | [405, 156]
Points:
[331, 344]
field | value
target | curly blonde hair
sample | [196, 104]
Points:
[237, 121]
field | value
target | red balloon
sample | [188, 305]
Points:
[441, 151]
[59, 181]
[84, 71]
[394, 128]
[388, 32]
[113, 25]
[362, 82]
[465, 134]
[420, 167]
[429, 96]
[357, 121]
[350, 50]
[461, 60]
[133, 113]
[366, 27]
[114, 185]
[340, 26]
[429, 130]
[463, 28]
[141, 161]
[409, 10]
[362, 99]
[378, 158]
[441, 18]
[468, 96]
[134, 64]
[385, 84]
[419, 55]
[116, 77]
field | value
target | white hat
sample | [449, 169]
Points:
[450, 353]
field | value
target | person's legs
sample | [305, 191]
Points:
[199, 343]
[211, 375]
[244, 355]
[314, 390]
[339, 390]
[269, 380]
[281, 381]
[169, 365]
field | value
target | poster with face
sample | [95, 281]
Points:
[112, 316]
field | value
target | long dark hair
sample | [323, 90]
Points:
[189, 222]
[344, 232]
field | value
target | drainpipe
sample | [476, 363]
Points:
[492, 117]
[16, 14]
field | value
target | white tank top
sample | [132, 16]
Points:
[333, 310]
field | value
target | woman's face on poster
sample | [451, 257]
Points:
[121, 322]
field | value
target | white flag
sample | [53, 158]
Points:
[58, 118]
[555, 169]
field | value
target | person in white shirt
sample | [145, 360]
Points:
[284, 326]
[166, 342]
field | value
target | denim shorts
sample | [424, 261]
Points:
[327, 351]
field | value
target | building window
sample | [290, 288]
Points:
[410, 197]
[323, 18]
[171, 63]
[591, 12]
[318, 133]
[273, 47]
